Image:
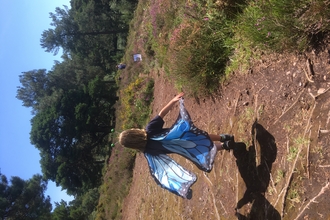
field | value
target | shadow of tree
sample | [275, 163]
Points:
[256, 177]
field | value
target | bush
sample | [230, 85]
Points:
[285, 25]
[135, 103]
[199, 50]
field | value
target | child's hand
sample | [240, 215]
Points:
[169, 105]
[178, 97]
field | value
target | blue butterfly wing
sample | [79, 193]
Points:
[199, 149]
[169, 174]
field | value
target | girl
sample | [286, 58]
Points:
[182, 138]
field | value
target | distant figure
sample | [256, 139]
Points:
[121, 66]
[137, 57]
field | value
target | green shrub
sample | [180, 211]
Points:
[284, 25]
[135, 103]
[199, 50]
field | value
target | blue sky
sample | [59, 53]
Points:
[21, 25]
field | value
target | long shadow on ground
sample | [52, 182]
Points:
[256, 176]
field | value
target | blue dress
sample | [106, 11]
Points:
[182, 138]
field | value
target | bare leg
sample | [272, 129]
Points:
[226, 138]
[215, 137]
[219, 146]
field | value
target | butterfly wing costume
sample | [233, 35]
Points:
[185, 139]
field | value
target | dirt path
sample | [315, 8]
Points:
[280, 168]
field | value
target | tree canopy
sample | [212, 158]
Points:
[20, 199]
[71, 122]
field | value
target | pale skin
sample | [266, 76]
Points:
[169, 106]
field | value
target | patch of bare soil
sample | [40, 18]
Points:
[279, 113]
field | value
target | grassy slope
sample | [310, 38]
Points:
[155, 32]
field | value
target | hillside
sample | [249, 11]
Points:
[280, 168]
[275, 103]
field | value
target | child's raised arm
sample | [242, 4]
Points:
[169, 105]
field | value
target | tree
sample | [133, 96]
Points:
[24, 199]
[62, 36]
[61, 211]
[75, 27]
[34, 88]
[82, 207]
[71, 134]
[66, 157]
[73, 110]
